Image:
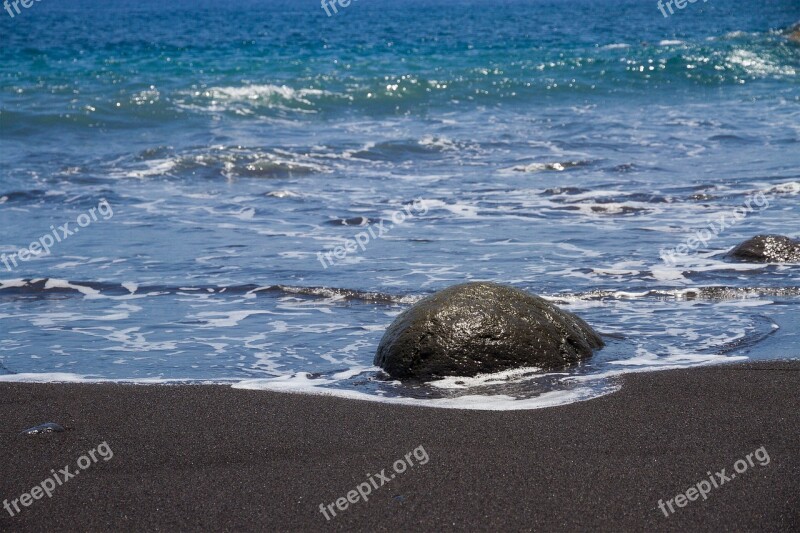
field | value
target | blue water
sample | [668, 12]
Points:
[215, 153]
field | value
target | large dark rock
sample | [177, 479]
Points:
[476, 328]
[767, 249]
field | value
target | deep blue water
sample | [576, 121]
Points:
[558, 146]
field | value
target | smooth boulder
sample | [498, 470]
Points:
[477, 328]
[767, 249]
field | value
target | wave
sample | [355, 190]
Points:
[93, 289]
[608, 71]
[216, 161]
[710, 293]
[612, 69]
[269, 163]
[247, 99]
[558, 166]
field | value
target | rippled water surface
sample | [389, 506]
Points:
[206, 158]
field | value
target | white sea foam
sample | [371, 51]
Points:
[582, 387]
[155, 167]
[63, 284]
[247, 99]
[442, 143]
[461, 209]
[260, 92]
[132, 287]
[458, 382]
[12, 283]
[66, 377]
[227, 319]
[557, 166]
[756, 65]
[303, 383]
[284, 194]
[789, 187]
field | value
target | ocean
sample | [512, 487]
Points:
[250, 192]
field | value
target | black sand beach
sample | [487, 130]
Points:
[214, 458]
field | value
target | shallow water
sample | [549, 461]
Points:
[558, 150]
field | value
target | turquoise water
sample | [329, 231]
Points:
[229, 151]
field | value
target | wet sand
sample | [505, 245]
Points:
[215, 458]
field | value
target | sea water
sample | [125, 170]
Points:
[244, 149]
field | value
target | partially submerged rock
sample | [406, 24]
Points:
[793, 33]
[477, 328]
[767, 249]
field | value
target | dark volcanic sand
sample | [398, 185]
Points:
[215, 458]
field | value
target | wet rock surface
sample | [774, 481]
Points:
[767, 249]
[477, 328]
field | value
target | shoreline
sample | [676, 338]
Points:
[214, 457]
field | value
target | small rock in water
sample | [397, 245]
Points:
[794, 33]
[767, 249]
[49, 427]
